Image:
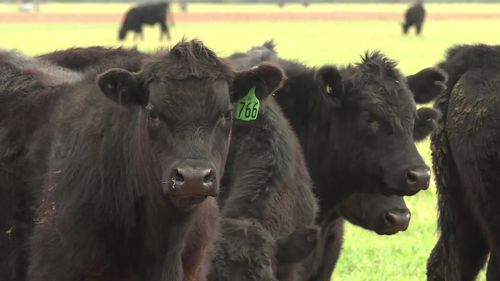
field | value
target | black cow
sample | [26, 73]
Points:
[259, 169]
[146, 14]
[123, 166]
[414, 16]
[465, 150]
[365, 116]
[266, 181]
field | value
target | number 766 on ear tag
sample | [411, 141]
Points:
[248, 106]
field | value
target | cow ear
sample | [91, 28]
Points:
[330, 83]
[123, 87]
[425, 122]
[427, 84]
[267, 78]
[298, 245]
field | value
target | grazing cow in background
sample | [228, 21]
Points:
[146, 14]
[465, 153]
[371, 105]
[414, 16]
[124, 172]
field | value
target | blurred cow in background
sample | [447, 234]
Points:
[147, 14]
[414, 16]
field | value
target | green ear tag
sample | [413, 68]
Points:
[248, 106]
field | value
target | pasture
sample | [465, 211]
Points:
[366, 256]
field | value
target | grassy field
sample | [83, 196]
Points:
[366, 256]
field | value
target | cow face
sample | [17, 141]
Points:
[373, 117]
[382, 214]
[186, 114]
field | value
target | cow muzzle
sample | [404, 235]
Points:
[191, 182]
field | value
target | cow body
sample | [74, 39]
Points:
[317, 119]
[414, 16]
[146, 14]
[121, 169]
[465, 157]
[267, 185]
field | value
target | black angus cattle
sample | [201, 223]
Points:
[357, 113]
[265, 164]
[465, 152]
[146, 14]
[123, 166]
[266, 182]
[414, 16]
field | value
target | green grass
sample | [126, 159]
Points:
[366, 256]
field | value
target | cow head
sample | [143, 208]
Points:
[382, 214]
[373, 115]
[183, 100]
[121, 34]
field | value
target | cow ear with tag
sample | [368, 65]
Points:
[331, 84]
[267, 78]
[123, 87]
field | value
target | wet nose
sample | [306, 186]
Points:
[193, 181]
[418, 179]
[395, 221]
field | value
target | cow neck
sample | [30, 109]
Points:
[311, 117]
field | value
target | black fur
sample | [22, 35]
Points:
[266, 181]
[79, 59]
[465, 157]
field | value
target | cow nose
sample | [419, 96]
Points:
[418, 178]
[193, 181]
[396, 220]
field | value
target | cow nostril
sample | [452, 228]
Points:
[411, 177]
[209, 178]
[391, 218]
[178, 176]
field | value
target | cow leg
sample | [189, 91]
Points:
[164, 31]
[418, 28]
[461, 257]
[332, 233]
[462, 249]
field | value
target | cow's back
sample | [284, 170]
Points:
[29, 90]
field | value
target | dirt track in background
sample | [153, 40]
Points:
[232, 17]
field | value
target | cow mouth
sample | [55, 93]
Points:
[186, 201]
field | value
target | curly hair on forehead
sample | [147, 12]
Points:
[186, 59]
